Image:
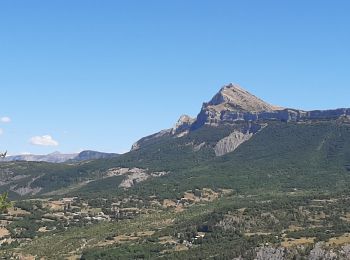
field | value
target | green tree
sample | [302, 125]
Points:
[4, 202]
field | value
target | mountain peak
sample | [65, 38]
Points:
[233, 97]
[233, 86]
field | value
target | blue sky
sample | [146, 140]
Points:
[102, 74]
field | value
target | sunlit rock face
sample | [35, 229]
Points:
[231, 142]
[232, 103]
[183, 125]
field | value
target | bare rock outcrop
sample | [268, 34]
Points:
[183, 125]
[231, 142]
[27, 189]
[132, 175]
[270, 253]
[345, 252]
[319, 253]
[234, 98]
[198, 147]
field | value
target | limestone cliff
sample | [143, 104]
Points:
[232, 104]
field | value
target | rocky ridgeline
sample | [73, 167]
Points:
[207, 117]
[233, 105]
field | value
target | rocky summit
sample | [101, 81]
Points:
[234, 98]
[232, 103]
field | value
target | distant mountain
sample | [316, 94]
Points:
[55, 157]
[58, 157]
[93, 155]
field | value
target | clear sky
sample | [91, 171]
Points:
[88, 74]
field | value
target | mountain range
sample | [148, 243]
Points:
[57, 157]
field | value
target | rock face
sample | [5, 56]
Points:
[231, 142]
[270, 253]
[133, 176]
[233, 105]
[183, 125]
[234, 98]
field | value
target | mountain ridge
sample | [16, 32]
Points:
[233, 104]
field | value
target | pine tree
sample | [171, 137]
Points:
[4, 202]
